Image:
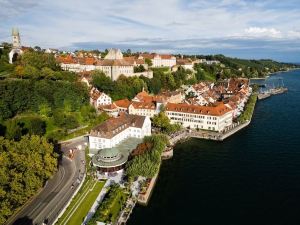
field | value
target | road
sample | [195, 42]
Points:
[46, 205]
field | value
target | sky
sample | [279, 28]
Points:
[240, 28]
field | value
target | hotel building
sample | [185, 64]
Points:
[113, 131]
[215, 118]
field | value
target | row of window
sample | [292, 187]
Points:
[192, 115]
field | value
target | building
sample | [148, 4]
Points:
[144, 108]
[144, 96]
[187, 64]
[159, 60]
[116, 107]
[98, 98]
[51, 51]
[172, 96]
[198, 89]
[109, 160]
[113, 64]
[16, 46]
[122, 105]
[215, 118]
[115, 130]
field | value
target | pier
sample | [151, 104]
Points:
[270, 92]
[280, 89]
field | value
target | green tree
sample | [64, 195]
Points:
[39, 60]
[102, 82]
[44, 110]
[88, 113]
[13, 130]
[19, 71]
[31, 72]
[47, 72]
[162, 122]
[25, 165]
[149, 62]
[138, 69]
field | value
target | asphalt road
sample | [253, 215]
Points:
[59, 189]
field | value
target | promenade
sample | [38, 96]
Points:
[208, 135]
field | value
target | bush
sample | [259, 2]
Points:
[147, 164]
[249, 109]
[110, 207]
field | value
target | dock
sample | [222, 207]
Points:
[270, 92]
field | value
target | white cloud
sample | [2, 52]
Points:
[259, 32]
[293, 34]
[57, 23]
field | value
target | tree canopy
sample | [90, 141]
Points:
[147, 164]
[24, 167]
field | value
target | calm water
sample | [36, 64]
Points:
[251, 178]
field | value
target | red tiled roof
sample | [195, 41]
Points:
[147, 55]
[217, 110]
[184, 62]
[165, 56]
[143, 105]
[133, 60]
[123, 103]
[107, 107]
[66, 60]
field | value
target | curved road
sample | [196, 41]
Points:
[54, 196]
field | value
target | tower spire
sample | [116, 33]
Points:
[16, 38]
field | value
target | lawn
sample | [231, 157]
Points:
[82, 203]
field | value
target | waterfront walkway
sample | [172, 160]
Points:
[208, 135]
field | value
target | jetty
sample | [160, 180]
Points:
[270, 92]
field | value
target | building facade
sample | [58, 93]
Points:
[160, 60]
[113, 65]
[113, 131]
[143, 109]
[98, 98]
[215, 118]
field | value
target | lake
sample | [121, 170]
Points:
[251, 178]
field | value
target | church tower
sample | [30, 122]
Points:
[16, 38]
[16, 46]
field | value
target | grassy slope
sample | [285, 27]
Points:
[85, 203]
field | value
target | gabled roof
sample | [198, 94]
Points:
[95, 93]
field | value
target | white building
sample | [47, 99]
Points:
[51, 51]
[144, 108]
[187, 64]
[160, 60]
[215, 118]
[113, 131]
[198, 89]
[98, 98]
[113, 65]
